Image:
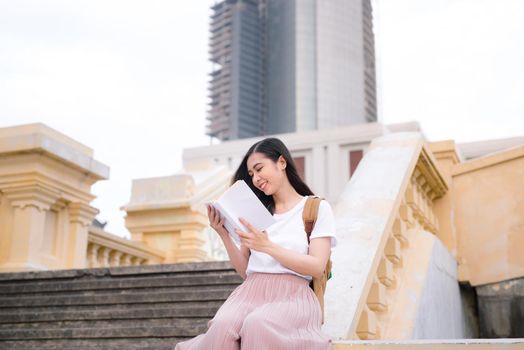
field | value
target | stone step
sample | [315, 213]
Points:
[93, 344]
[130, 308]
[105, 329]
[4, 299]
[119, 282]
[111, 312]
[110, 299]
[105, 324]
[167, 269]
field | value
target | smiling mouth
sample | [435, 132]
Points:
[263, 186]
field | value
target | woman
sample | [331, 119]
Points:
[274, 308]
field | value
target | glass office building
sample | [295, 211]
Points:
[284, 66]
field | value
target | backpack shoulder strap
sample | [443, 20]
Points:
[310, 213]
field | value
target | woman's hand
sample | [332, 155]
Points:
[215, 221]
[254, 239]
[239, 257]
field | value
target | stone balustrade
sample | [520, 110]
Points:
[414, 215]
[107, 250]
[388, 229]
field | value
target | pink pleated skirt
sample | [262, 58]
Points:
[267, 311]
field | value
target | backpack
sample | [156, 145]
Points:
[309, 215]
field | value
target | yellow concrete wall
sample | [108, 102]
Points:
[488, 210]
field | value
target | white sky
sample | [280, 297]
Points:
[129, 78]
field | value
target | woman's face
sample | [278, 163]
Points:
[266, 174]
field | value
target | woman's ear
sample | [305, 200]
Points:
[282, 163]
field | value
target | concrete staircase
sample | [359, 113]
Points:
[126, 308]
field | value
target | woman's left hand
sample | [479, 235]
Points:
[253, 239]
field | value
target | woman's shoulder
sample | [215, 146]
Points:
[325, 225]
[324, 208]
[324, 202]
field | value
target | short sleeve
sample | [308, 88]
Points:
[325, 224]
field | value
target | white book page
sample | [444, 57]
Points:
[239, 201]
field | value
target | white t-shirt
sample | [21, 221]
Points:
[288, 232]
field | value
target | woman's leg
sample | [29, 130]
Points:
[223, 329]
[222, 333]
[294, 323]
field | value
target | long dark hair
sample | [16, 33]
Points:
[272, 148]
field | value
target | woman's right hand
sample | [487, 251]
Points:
[215, 221]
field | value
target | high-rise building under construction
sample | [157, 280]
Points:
[290, 65]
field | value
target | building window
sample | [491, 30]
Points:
[300, 163]
[354, 159]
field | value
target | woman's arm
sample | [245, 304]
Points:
[311, 264]
[238, 257]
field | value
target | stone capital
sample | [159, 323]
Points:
[81, 213]
[31, 195]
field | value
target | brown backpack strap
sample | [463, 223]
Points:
[310, 213]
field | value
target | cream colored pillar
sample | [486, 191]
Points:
[80, 217]
[190, 243]
[168, 213]
[176, 231]
[45, 183]
[29, 205]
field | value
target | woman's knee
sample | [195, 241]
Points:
[254, 322]
[227, 322]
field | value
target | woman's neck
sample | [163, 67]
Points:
[286, 198]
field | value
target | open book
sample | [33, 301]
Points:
[239, 201]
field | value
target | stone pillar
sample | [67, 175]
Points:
[190, 245]
[29, 205]
[178, 232]
[167, 214]
[114, 258]
[80, 217]
[45, 191]
[92, 255]
[103, 257]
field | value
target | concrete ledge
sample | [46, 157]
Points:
[40, 128]
[477, 149]
[356, 133]
[42, 139]
[435, 344]
[489, 160]
[118, 271]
